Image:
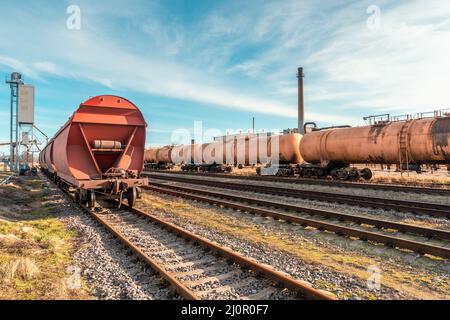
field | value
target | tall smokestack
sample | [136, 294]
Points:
[253, 124]
[301, 106]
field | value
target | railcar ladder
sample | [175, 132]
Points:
[404, 146]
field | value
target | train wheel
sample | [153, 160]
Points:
[138, 193]
[366, 173]
[132, 196]
[342, 174]
[77, 196]
[213, 169]
[91, 199]
[307, 174]
[353, 174]
[322, 174]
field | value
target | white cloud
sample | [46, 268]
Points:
[403, 66]
[16, 64]
[105, 61]
[47, 67]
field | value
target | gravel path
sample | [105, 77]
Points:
[111, 271]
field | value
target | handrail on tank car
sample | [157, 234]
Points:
[387, 118]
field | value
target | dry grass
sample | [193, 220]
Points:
[35, 246]
[415, 180]
[348, 262]
[440, 177]
[19, 268]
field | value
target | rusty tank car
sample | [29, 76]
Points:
[227, 152]
[408, 143]
[99, 151]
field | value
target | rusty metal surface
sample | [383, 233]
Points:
[109, 183]
[251, 149]
[425, 140]
[414, 141]
[416, 207]
[47, 155]
[163, 154]
[150, 155]
[74, 151]
[106, 144]
[214, 198]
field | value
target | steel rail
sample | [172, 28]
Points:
[433, 209]
[379, 223]
[179, 287]
[265, 270]
[280, 278]
[332, 183]
[212, 198]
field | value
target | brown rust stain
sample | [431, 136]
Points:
[376, 159]
[440, 132]
[375, 131]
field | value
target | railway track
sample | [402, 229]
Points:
[195, 267]
[333, 183]
[416, 207]
[277, 210]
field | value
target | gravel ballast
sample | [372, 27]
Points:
[320, 276]
[110, 270]
[408, 196]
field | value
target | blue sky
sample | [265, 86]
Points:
[223, 62]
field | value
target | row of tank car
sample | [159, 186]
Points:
[225, 153]
[320, 153]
